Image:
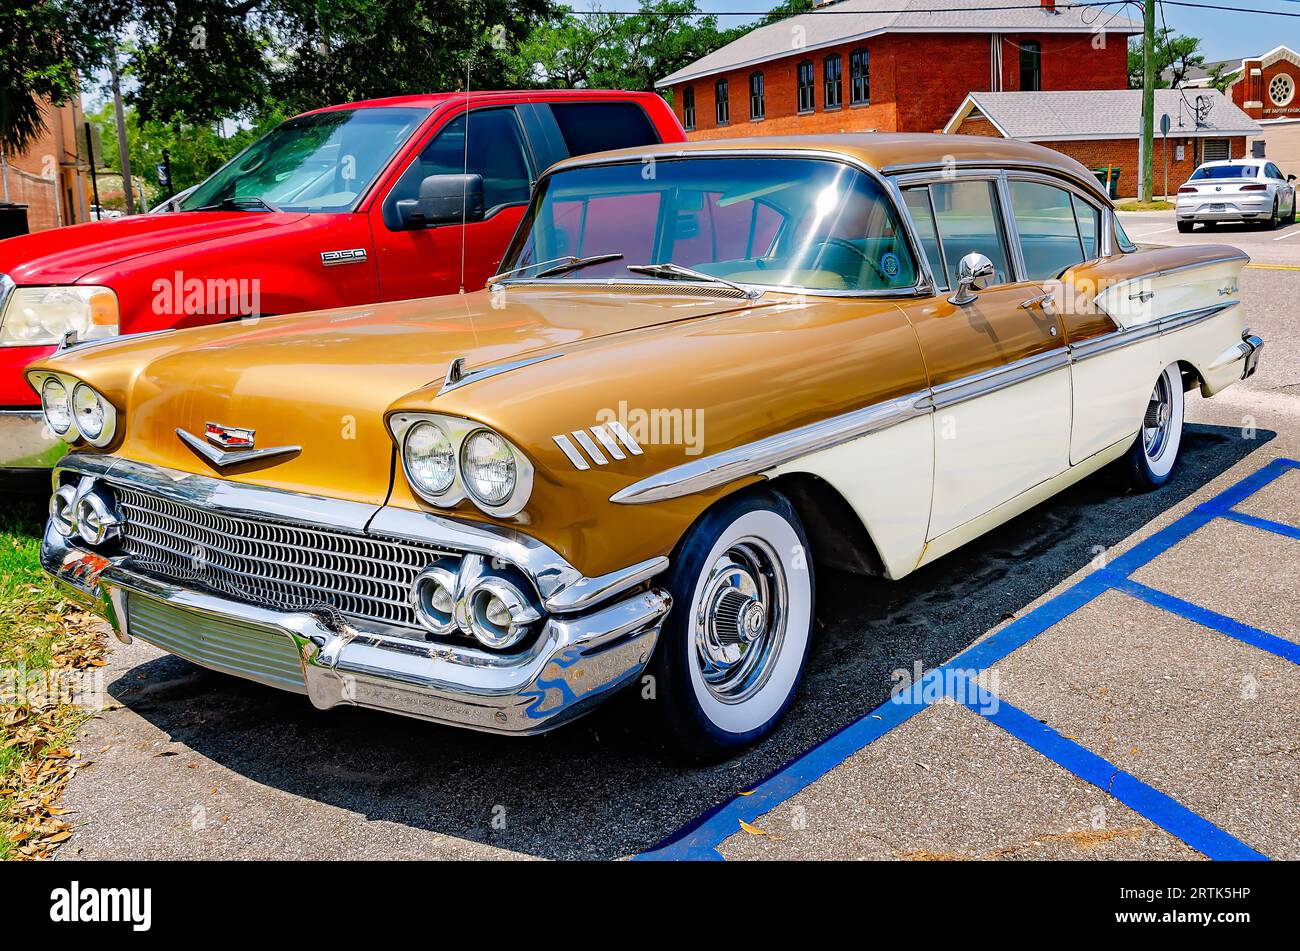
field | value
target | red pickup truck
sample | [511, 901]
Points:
[413, 196]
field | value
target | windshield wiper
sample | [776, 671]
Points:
[677, 272]
[569, 262]
[239, 204]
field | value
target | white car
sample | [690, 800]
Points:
[1236, 190]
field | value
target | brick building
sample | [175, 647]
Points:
[51, 178]
[1267, 88]
[845, 67]
[1101, 128]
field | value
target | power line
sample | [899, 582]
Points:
[830, 11]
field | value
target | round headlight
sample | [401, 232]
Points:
[90, 411]
[430, 458]
[488, 467]
[54, 403]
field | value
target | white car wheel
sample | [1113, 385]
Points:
[733, 649]
[1154, 452]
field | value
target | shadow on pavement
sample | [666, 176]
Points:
[593, 789]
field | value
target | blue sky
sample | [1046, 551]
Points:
[1223, 34]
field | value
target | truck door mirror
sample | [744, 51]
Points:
[444, 199]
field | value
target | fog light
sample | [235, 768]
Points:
[63, 511]
[95, 519]
[433, 595]
[499, 614]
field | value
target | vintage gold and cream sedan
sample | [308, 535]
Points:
[702, 372]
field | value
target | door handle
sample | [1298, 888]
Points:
[1042, 302]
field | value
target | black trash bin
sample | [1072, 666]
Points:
[1102, 173]
[13, 220]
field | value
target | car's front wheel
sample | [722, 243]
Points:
[732, 650]
[1151, 459]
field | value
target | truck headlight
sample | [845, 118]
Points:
[44, 316]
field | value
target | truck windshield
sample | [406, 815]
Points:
[772, 222]
[322, 162]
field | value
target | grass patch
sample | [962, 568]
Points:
[1153, 205]
[43, 640]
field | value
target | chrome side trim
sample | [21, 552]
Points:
[910, 168]
[723, 467]
[587, 443]
[625, 437]
[606, 440]
[757, 457]
[998, 378]
[569, 449]
[1153, 275]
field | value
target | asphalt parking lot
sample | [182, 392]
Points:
[1135, 694]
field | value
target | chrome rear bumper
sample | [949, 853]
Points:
[576, 661]
[26, 443]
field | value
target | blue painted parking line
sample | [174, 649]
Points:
[700, 838]
[1267, 524]
[1287, 650]
[1159, 808]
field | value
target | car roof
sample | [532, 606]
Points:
[886, 152]
[433, 100]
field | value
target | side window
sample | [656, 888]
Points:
[1089, 218]
[918, 206]
[967, 217]
[495, 150]
[1049, 232]
[601, 126]
[1273, 171]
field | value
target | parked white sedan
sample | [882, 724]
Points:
[1236, 190]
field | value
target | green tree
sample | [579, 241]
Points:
[1176, 56]
[44, 44]
[612, 51]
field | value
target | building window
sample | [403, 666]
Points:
[1031, 66]
[807, 84]
[831, 71]
[721, 108]
[757, 108]
[688, 107]
[859, 78]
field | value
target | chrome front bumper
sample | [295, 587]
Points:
[596, 638]
[26, 442]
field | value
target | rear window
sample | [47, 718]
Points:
[602, 126]
[1225, 171]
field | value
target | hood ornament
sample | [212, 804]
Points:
[236, 446]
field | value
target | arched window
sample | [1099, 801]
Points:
[757, 106]
[688, 107]
[807, 85]
[721, 107]
[859, 78]
[832, 68]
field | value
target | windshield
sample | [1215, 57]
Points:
[779, 222]
[320, 162]
[1225, 171]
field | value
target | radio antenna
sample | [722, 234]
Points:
[464, 177]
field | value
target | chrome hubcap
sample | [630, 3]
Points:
[1155, 426]
[741, 620]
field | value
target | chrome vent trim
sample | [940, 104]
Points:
[613, 436]
[273, 563]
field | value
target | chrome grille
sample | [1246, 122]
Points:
[278, 565]
[223, 644]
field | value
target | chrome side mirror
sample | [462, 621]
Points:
[970, 270]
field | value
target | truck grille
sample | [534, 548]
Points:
[287, 567]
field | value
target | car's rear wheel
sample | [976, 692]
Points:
[1185, 227]
[732, 651]
[1275, 219]
[1155, 450]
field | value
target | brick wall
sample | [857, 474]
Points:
[917, 82]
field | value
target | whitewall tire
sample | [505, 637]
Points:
[1160, 436]
[733, 649]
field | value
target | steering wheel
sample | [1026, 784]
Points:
[862, 255]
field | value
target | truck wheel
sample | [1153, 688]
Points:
[732, 650]
[1151, 460]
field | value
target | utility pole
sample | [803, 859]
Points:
[94, 180]
[122, 152]
[1148, 97]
